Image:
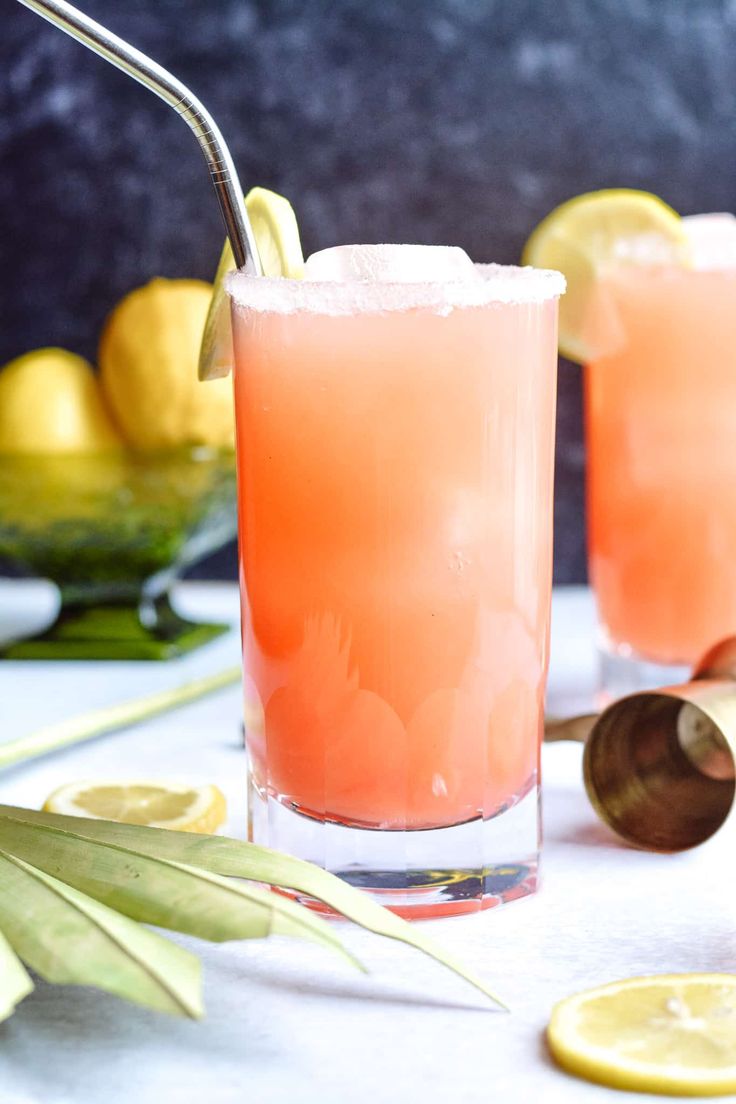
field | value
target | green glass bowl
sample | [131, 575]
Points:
[113, 531]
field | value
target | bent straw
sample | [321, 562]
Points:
[148, 72]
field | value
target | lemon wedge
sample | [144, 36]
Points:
[582, 238]
[155, 804]
[277, 236]
[670, 1034]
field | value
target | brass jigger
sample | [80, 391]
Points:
[660, 766]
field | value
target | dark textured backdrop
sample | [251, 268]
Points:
[453, 121]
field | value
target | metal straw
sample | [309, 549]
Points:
[148, 72]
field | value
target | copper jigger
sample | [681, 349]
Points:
[660, 766]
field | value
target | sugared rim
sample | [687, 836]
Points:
[498, 284]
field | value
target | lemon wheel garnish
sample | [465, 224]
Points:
[277, 236]
[155, 804]
[581, 238]
[276, 232]
[670, 1034]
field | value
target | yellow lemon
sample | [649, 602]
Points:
[155, 804]
[581, 238]
[673, 1034]
[50, 402]
[148, 364]
[277, 236]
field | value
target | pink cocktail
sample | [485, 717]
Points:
[661, 462]
[395, 453]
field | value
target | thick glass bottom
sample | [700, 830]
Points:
[623, 672]
[418, 874]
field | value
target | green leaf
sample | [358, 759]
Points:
[156, 890]
[15, 983]
[66, 937]
[235, 858]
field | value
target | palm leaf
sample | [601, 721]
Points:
[67, 937]
[15, 983]
[156, 890]
[235, 858]
[110, 718]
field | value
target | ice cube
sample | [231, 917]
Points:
[391, 264]
[712, 240]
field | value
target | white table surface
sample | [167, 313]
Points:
[286, 1022]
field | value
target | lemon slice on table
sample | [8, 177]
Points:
[277, 236]
[581, 238]
[155, 804]
[670, 1034]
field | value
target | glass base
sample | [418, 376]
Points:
[622, 674]
[145, 629]
[417, 874]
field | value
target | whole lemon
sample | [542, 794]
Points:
[148, 361]
[50, 402]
